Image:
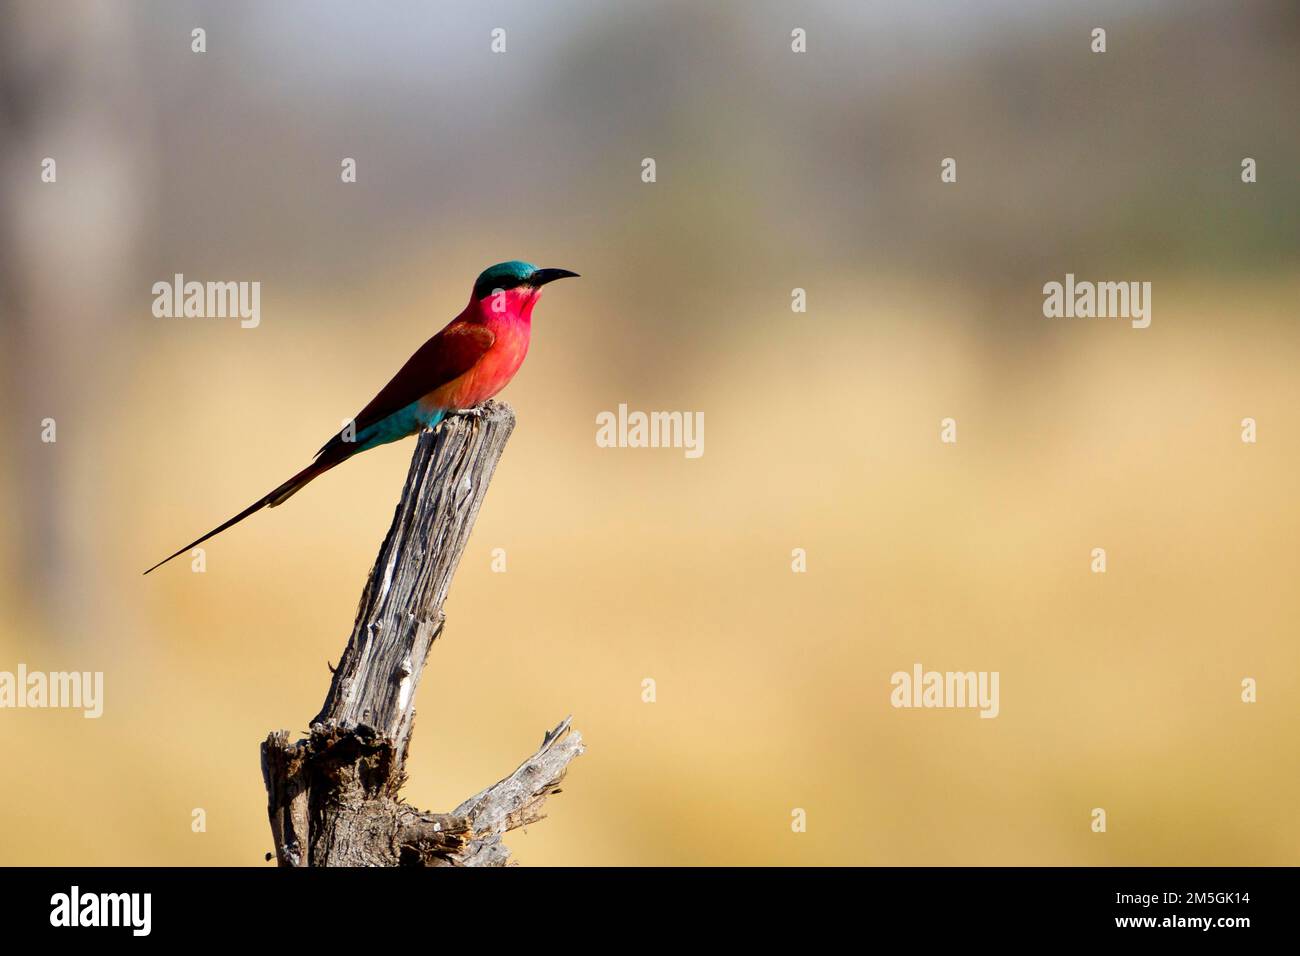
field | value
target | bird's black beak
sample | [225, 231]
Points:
[543, 276]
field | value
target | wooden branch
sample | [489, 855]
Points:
[333, 799]
[479, 822]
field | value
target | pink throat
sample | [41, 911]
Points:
[508, 307]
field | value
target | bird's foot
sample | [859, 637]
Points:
[474, 411]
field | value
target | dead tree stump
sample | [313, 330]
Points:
[333, 799]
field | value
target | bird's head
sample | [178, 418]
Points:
[513, 287]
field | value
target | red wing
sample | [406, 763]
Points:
[448, 355]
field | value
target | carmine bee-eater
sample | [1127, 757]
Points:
[468, 362]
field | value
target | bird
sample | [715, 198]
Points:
[472, 359]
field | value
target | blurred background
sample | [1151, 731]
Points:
[775, 170]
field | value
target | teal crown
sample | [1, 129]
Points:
[503, 275]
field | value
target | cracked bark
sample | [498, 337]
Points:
[333, 798]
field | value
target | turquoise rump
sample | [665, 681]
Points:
[403, 422]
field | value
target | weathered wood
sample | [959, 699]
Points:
[333, 799]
